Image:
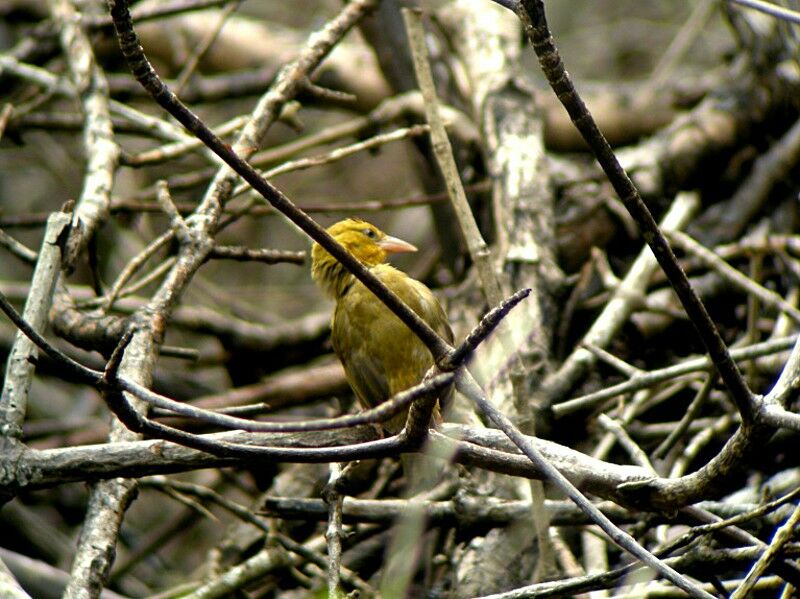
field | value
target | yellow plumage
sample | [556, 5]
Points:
[380, 354]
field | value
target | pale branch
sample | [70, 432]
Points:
[22, 357]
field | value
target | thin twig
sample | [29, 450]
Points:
[655, 377]
[488, 323]
[133, 265]
[686, 420]
[203, 46]
[636, 453]
[263, 255]
[427, 388]
[17, 248]
[732, 275]
[782, 536]
[779, 12]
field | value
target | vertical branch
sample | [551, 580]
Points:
[486, 43]
[478, 250]
[102, 151]
[22, 358]
[108, 500]
[481, 256]
[333, 534]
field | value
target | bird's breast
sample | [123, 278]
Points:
[380, 354]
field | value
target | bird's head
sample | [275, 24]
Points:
[366, 242]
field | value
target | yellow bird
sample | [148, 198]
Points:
[380, 354]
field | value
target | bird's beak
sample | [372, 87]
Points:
[393, 245]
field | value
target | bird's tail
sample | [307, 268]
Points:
[424, 470]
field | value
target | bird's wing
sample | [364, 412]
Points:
[427, 306]
[380, 354]
[423, 301]
[356, 340]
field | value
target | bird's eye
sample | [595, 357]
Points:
[370, 233]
